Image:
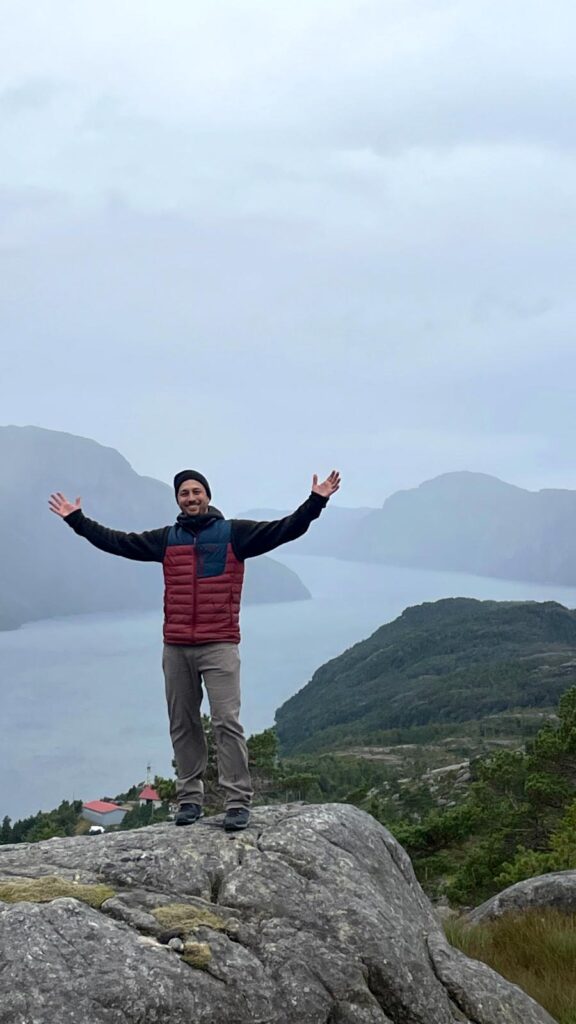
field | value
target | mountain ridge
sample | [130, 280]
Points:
[441, 664]
[460, 521]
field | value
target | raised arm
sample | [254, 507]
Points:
[250, 538]
[140, 547]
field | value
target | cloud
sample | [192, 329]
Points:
[335, 227]
[31, 95]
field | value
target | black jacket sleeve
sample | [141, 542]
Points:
[141, 547]
[250, 538]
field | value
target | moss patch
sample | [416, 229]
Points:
[187, 918]
[50, 887]
[197, 954]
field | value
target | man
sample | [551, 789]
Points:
[203, 556]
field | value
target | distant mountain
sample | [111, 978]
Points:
[47, 571]
[475, 523]
[465, 522]
[441, 664]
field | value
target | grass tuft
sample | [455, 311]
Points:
[50, 887]
[188, 918]
[197, 954]
[535, 950]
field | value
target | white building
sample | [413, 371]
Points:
[100, 812]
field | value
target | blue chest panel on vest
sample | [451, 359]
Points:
[210, 545]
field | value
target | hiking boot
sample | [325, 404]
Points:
[236, 819]
[188, 814]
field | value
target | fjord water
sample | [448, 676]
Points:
[81, 699]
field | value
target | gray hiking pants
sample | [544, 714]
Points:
[216, 665]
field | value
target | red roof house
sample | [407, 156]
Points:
[101, 812]
[149, 796]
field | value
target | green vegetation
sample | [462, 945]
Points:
[139, 817]
[515, 820]
[439, 669]
[62, 821]
[51, 887]
[536, 951]
[314, 780]
[559, 856]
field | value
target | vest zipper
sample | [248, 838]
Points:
[195, 587]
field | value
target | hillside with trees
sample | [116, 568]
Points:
[451, 667]
[517, 819]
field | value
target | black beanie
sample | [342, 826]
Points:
[191, 474]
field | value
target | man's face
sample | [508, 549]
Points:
[192, 498]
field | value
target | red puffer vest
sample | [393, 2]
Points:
[203, 586]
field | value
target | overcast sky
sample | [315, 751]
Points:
[264, 238]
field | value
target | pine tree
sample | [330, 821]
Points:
[6, 831]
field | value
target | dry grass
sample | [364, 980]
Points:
[197, 954]
[50, 887]
[535, 949]
[187, 917]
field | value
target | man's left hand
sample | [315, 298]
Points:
[328, 486]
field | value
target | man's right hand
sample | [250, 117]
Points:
[60, 505]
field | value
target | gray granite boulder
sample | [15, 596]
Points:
[556, 890]
[311, 916]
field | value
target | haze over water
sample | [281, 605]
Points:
[83, 709]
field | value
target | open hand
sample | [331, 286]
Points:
[329, 485]
[59, 504]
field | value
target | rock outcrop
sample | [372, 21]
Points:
[311, 916]
[556, 890]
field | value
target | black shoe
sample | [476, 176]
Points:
[188, 814]
[236, 819]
